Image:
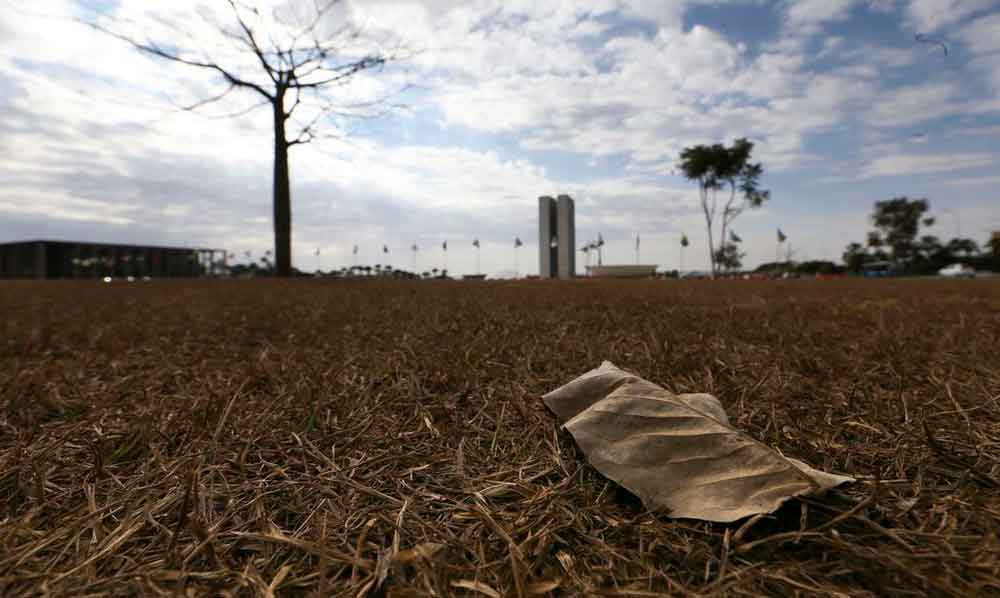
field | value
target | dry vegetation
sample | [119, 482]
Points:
[368, 438]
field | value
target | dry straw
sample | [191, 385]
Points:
[275, 438]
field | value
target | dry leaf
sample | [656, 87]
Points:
[678, 452]
[476, 586]
[541, 587]
[425, 550]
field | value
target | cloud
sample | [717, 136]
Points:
[980, 35]
[933, 15]
[811, 14]
[912, 104]
[978, 181]
[918, 164]
[882, 6]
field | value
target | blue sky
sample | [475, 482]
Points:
[507, 101]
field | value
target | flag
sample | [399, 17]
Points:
[600, 240]
[517, 242]
[684, 240]
[475, 243]
[444, 246]
[781, 236]
[734, 237]
[385, 249]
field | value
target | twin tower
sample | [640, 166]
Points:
[556, 237]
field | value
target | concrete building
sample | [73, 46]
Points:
[556, 237]
[65, 259]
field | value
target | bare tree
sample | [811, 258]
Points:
[290, 57]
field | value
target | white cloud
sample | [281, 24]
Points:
[981, 35]
[882, 6]
[898, 165]
[810, 14]
[977, 181]
[932, 15]
[912, 104]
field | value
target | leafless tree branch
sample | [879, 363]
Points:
[251, 41]
[152, 48]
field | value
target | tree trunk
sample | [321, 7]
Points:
[708, 221]
[725, 221]
[282, 192]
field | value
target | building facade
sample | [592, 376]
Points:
[556, 237]
[65, 259]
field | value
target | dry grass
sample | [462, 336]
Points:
[352, 438]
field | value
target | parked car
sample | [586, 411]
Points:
[879, 269]
[958, 271]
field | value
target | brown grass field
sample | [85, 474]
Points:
[366, 438]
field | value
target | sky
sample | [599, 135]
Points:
[492, 104]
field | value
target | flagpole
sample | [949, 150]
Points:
[477, 261]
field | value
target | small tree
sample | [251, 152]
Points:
[966, 247]
[729, 257]
[994, 244]
[854, 257]
[928, 248]
[717, 168]
[290, 59]
[897, 222]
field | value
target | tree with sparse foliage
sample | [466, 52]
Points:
[290, 58]
[729, 257]
[854, 257]
[720, 168]
[994, 244]
[964, 247]
[898, 222]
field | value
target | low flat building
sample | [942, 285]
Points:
[622, 271]
[45, 259]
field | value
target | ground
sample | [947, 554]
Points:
[348, 438]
